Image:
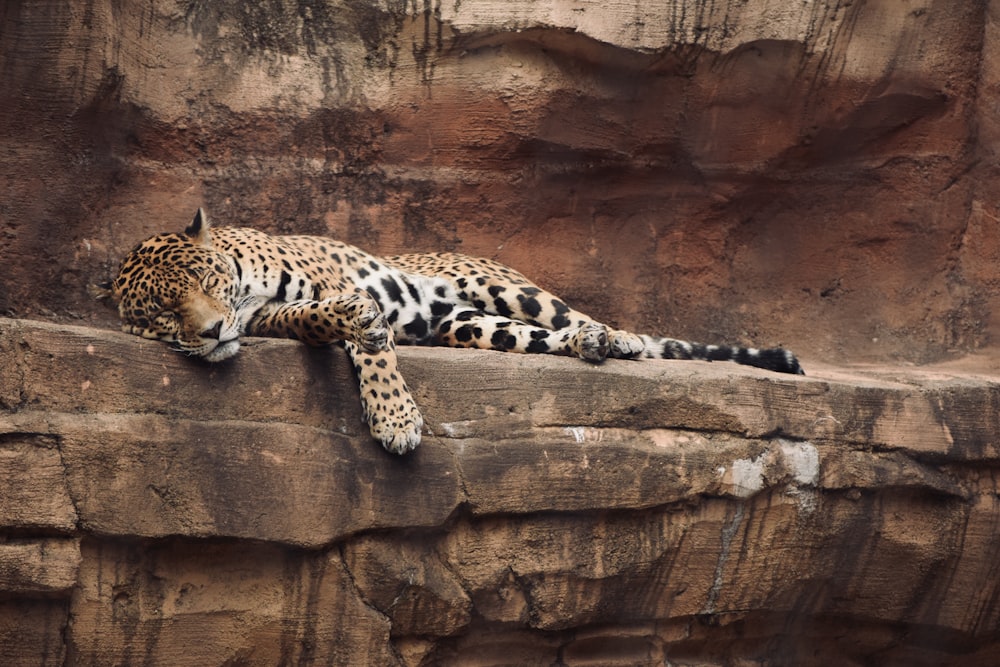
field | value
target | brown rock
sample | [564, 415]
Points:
[629, 513]
[409, 584]
[32, 632]
[35, 494]
[818, 175]
[813, 174]
[42, 567]
[215, 603]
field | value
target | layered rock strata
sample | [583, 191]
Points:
[158, 510]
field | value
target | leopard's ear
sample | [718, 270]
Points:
[101, 290]
[198, 230]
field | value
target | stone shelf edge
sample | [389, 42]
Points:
[545, 490]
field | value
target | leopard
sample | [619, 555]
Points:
[204, 289]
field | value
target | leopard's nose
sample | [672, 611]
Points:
[213, 332]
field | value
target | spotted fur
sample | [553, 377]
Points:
[205, 288]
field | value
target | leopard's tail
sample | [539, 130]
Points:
[774, 359]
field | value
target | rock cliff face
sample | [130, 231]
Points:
[711, 170]
[821, 174]
[161, 511]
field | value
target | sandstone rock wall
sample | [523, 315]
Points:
[819, 174]
[160, 511]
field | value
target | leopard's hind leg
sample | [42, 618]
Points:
[475, 329]
[499, 291]
[531, 304]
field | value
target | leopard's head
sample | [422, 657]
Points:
[178, 288]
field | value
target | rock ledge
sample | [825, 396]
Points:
[161, 510]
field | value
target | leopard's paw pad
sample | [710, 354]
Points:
[592, 342]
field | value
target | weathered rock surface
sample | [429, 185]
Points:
[818, 174]
[158, 510]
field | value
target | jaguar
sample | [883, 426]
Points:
[205, 288]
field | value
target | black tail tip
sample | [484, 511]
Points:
[777, 359]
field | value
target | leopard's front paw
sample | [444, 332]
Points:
[395, 422]
[625, 345]
[372, 330]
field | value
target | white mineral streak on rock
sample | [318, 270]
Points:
[748, 476]
[784, 460]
